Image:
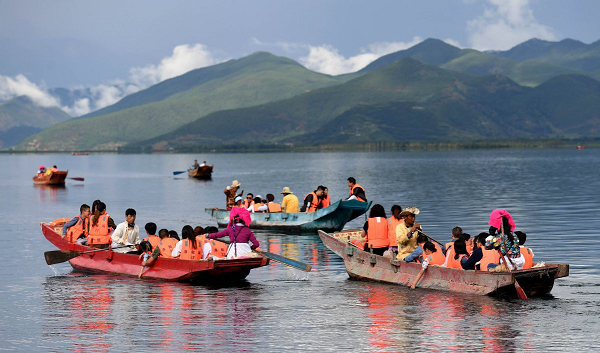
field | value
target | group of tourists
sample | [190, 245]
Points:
[401, 237]
[42, 170]
[313, 201]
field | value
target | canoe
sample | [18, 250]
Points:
[198, 271]
[362, 265]
[55, 178]
[204, 172]
[332, 218]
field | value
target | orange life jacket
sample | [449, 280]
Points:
[218, 248]
[452, 262]
[448, 245]
[528, 256]
[314, 205]
[100, 233]
[377, 234]
[154, 241]
[326, 201]
[53, 170]
[166, 246]
[358, 186]
[436, 258]
[248, 203]
[392, 224]
[489, 257]
[256, 206]
[81, 227]
[188, 252]
[358, 244]
[274, 207]
[439, 248]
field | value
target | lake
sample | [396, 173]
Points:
[553, 196]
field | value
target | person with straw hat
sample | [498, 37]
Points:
[231, 193]
[290, 202]
[407, 232]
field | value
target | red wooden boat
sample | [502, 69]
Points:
[55, 178]
[109, 261]
[362, 265]
[202, 172]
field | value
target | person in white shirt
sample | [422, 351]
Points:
[127, 233]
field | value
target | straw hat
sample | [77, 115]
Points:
[409, 210]
[286, 190]
[235, 183]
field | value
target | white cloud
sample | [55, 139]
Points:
[326, 59]
[19, 85]
[506, 24]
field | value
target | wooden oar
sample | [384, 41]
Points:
[442, 245]
[179, 172]
[76, 178]
[520, 292]
[285, 260]
[58, 256]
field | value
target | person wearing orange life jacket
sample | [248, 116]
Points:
[407, 232]
[526, 252]
[489, 258]
[272, 206]
[456, 254]
[54, 169]
[312, 200]
[260, 205]
[456, 233]
[393, 222]
[187, 248]
[248, 201]
[357, 192]
[166, 244]
[325, 200]
[375, 231]
[126, 233]
[477, 254]
[79, 226]
[433, 254]
[150, 228]
[416, 255]
[101, 227]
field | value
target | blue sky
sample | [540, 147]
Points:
[133, 44]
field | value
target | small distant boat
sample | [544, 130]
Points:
[581, 147]
[55, 178]
[80, 153]
[108, 261]
[362, 265]
[332, 218]
[201, 172]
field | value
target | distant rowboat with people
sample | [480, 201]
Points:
[201, 172]
[54, 178]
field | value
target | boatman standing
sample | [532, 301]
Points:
[231, 192]
[357, 192]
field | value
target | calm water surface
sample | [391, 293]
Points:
[552, 195]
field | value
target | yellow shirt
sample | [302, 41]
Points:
[290, 204]
[405, 245]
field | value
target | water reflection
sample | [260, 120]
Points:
[50, 193]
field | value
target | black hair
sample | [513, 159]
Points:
[130, 212]
[250, 194]
[481, 238]
[100, 207]
[422, 238]
[94, 205]
[163, 233]
[257, 199]
[352, 180]
[429, 246]
[321, 187]
[396, 207]
[145, 246]
[211, 229]
[456, 231]
[187, 232]
[460, 248]
[198, 230]
[83, 208]
[270, 197]
[173, 234]
[377, 211]
[150, 228]
[465, 236]
[521, 236]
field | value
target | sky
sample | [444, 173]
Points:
[115, 48]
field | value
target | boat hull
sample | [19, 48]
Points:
[55, 178]
[108, 261]
[365, 266]
[204, 172]
[332, 218]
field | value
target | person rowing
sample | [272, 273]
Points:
[239, 236]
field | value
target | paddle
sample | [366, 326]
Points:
[520, 292]
[442, 245]
[76, 178]
[285, 260]
[179, 172]
[58, 256]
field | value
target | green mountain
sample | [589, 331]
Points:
[20, 118]
[404, 101]
[256, 79]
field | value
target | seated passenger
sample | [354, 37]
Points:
[248, 201]
[525, 251]
[101, 227]
[290, 202]
[198, 230]
[433, 254]
[79, 226]
[489, 256]
[272, 206]
[468, 242]
[239, 236]
[147, 255]
[173, 234]
[393, 222]
[375, 230]
[456, 233]
[477, 254]
[260, 205]
[166, 244]
[407, 232]
[457, 252]
[187, 248]
[501, 221]
[312, 200]
[418, 252]
[127, 232]
[325, 199]
[52, 170]
[150, 228]
[41, 171]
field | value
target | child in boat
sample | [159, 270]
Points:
[525, 251]
[147, 256]
[416, 254]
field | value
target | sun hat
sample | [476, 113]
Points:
[235, 183]
[42, 167]
[409, 210]
[286, 190]
[237, 198]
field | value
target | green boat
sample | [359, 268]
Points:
[332, 218]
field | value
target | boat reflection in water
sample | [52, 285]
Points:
[50, 193]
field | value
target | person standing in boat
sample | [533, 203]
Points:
[127, 233]
[407, 232]
[393, 222]
[79, 226]
[239, 237]
[290, 203]
[357, 192]
[195, 165]
[231, 192]
[375, 231]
